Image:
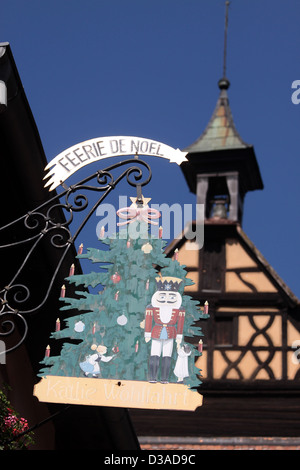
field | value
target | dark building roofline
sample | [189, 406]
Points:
[22, 159]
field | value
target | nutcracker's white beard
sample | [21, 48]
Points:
[165, 312]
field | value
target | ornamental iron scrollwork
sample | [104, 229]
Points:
[50, 223]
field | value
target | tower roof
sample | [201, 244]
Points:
[220, 133]
[220, 148]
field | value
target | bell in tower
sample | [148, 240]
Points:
[219, 208]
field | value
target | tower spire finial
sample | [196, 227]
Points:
[224, 82]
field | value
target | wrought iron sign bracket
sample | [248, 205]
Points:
[18, 299]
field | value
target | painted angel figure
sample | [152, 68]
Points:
[181, 368]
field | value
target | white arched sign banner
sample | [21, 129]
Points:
[72, 159]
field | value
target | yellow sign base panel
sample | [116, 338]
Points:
[123, 393]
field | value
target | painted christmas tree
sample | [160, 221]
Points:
[138, 324]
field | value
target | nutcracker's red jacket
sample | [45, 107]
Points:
[153, 314]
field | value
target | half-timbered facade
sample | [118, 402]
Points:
[250, 367]
[251, 335]
[254, 315]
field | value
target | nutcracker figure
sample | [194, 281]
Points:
[163, 324]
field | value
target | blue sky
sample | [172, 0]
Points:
[93, 68]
